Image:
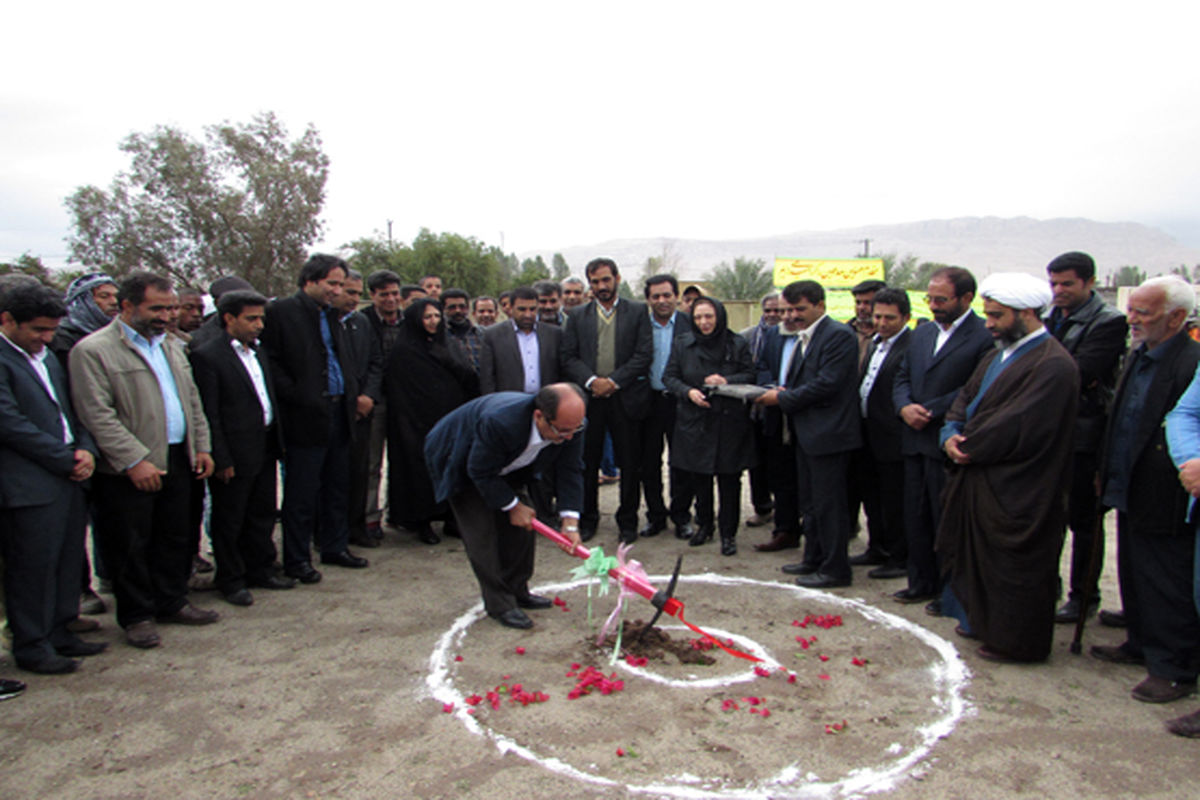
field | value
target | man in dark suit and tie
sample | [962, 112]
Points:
[820, 401]
[607, 349]
[520, 354]
[234, 379]
[882, 465]
[482, 458]
[45, 456]
[939, 360]
[312, 366]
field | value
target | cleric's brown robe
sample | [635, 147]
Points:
[1004, 513]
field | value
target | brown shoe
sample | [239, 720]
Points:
[990, 654]
[1116, 654]
[780, 541]
[190, 615]
[1188, 725]
[1161, 690]
[143, 634]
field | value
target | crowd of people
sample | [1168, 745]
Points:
[972, 443]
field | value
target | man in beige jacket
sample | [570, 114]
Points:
[133, 389]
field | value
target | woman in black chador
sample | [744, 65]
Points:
[427, 377]
[713, 435]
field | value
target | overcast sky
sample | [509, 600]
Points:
[545, 125]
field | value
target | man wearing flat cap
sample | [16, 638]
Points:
[1009, 435]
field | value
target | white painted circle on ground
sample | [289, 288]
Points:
[948, 676]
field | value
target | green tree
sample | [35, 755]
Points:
[460, 261]
[901, 272]
[558, 267]
[745, 279]
[31, 265]
[1127, 275]
[532, 271]
[246, 200]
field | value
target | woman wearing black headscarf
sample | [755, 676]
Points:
[427, 377]
[713, 435]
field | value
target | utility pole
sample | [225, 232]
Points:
[389, 222]
[866, 253]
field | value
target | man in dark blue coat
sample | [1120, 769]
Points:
[940, 358]
[820, 401]
[483, 457]
[45, 455]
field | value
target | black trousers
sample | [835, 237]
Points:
[243, 522]
[760, 479]
[42, 548]
[606, 414]
[729, 489]
[821, 489]
[501, 555]
[924, 480]
[656, 432]
[356, 495]
[1082, 514]
[780, 462]
[147, 540]
[315, 489]
[1157, 576]
[883, 500]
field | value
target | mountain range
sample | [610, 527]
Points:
[981, 244]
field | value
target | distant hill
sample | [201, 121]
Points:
[982, 244]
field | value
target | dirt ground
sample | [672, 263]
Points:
[329, 691]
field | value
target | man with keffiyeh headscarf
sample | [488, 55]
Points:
[91, 304]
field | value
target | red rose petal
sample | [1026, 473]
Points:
[520, 651]
[448, 708]
[823, 657]
[823, 677]
[792, 678]
[458, 658]
[620, 752]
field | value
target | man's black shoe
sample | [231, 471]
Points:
[534, 601]
[799, 568]
[272, 582]
[867, 558]
[887, 572]
[303, 573]
[1113, 619]
[363, 539]
[652, 529]
[81, 648]
[514, 618]
[819, 580]
[239, 597]
[10, 688]
[1069, 612]
[51, 665]
[426, 534]
[702, 536]
[908, 596]
[627, 536]
[344, 559]
[685, 531]
[934, 607]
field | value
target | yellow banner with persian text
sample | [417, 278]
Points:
[832, 273]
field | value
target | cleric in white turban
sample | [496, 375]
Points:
[1016, 290]
[1010, 431]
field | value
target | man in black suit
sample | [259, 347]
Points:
[45, 456]
[366, 358]
[316, 383]
[820, 402]
[882, 465]
[667, 323]
[939, 360]
[235, 384]
[549, 300]
[520, 355]
[607, 349]
[1140, 479]
[482, 457]
[1093, 332]
[386, 322]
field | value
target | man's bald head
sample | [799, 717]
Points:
[559, 410]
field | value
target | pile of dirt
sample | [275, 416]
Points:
[654, 643]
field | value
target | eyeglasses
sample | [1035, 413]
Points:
[564, 433]
[936, 300]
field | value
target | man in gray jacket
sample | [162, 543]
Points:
[133, 389]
